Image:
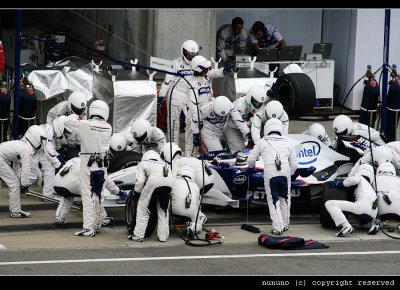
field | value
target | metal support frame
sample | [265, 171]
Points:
[385, 72]
[17, 73]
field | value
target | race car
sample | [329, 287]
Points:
[231, 181]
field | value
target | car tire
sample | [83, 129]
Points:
[296, 92]
[131, 211]
[123, 160]
[331, 194]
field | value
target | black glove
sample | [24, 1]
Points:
[272, 91]
[248, 136]
[62, 161]
[24, 189]
[230, 68]
[335, 184]
[122, 196]
[196, 140]
[122, 193]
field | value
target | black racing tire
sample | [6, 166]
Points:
[123, 160]
[131, 211]
[296, 92]
[331, 194]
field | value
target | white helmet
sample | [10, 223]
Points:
[151, 155]
[342, 125]
[99, 108]
[381, 154]
[222, 106]
[189, 48]
[186, 171]
[59, 127]
[166, 152]
[274, 109]
[256, 96]
[77, 102]
[141, 130]
[200, 63]
[367, 171]
[387, 169]
[273, 125]
[118, 142]
[292, 68]
[317, 130]
[36, 136]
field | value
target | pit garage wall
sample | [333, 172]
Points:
[135, 26]
[174, 26]
[364, 46]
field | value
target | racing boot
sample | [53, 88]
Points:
[376, 225]
[60, 221]
[345, 230]
[20, 214]
[86, 233]
[107, 220]
[135, 238]
[276, 232]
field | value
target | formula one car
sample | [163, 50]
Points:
[231, 181]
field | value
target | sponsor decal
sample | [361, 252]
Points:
[239, 179]
[309, 152]
[186, 72]
[204, 90]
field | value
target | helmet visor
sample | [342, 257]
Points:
[189, 55]
[343, 133]
[255, 104]
[142, 138]
[76, 110]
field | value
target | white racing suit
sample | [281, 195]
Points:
[364, 196]
[233, 133]
[178, 96]
[67, 185]
[394, 147]
[390, 186]
[197, 165]
[95, 135]
[260, 119]
[213, 126]
[151, 179]
[61, 109]
[18, 152]
[203, 93]
[186, 202]
[47, 157]
[155, 142]
[362, 130]
[227, 40]
[277, 182]
[326, 140]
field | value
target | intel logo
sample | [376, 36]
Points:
[309, 152]
[239, 179]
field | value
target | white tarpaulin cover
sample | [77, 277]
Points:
[133, 100]
[130, 96]
[70, 74]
